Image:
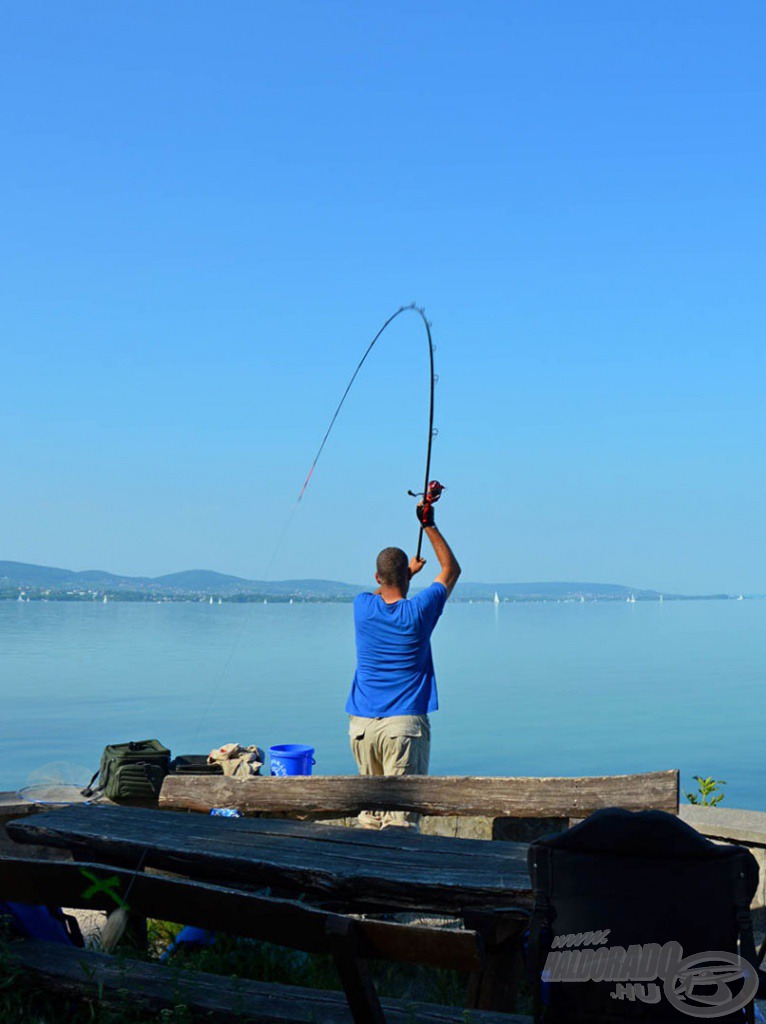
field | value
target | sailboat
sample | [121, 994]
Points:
[496, 599]
[210, 601]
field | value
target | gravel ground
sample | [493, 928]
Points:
[91, 922]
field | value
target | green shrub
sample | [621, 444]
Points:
[706, 788]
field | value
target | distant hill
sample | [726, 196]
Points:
[198, 579]
[192, 584]
[190, 581]
[25, 574]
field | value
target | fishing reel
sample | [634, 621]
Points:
[432, 494]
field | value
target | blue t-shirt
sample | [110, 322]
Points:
[394, 668]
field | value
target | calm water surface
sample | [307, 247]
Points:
[525, 689]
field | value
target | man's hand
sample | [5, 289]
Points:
[416, 564]
[425, 515]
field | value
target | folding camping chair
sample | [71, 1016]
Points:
[626, 907]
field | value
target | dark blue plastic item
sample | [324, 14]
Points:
[38, 922]
[189, 938]
[291, 759]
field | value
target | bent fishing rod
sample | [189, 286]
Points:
[431, 489]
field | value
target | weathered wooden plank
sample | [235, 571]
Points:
[235, 912]
[13, 806]
[407, 872]
[434, 794]
[456, 949]
[154, 828]
[735, 826]
[352, 838]
[156, 986]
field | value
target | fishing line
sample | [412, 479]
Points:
[431, 431]
[217, 685]
[431, 434]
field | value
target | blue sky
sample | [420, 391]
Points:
[208, 211]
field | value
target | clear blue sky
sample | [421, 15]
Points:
[209, 209]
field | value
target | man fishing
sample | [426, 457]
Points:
[394, 686]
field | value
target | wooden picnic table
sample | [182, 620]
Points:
[358, 870]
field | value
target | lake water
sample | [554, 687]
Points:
[525, 689]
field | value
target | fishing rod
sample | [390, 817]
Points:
[431, 489]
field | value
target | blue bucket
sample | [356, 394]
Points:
[291, 759]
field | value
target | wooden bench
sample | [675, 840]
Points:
[350, 941]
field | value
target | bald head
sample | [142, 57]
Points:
[393, 568]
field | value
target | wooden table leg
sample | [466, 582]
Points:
[496, 986]
[354, 972]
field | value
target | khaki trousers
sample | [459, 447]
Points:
[399, 745]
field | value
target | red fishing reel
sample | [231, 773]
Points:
[434, 492]
[431, 496]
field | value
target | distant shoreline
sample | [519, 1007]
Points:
[23, 581]
[121, 597]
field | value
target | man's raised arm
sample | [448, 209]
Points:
[449, 564]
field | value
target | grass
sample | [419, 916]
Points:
[22, 1001]
[262, 961]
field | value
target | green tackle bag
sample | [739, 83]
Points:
[131, 771]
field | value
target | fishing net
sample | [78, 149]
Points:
[58, 782]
